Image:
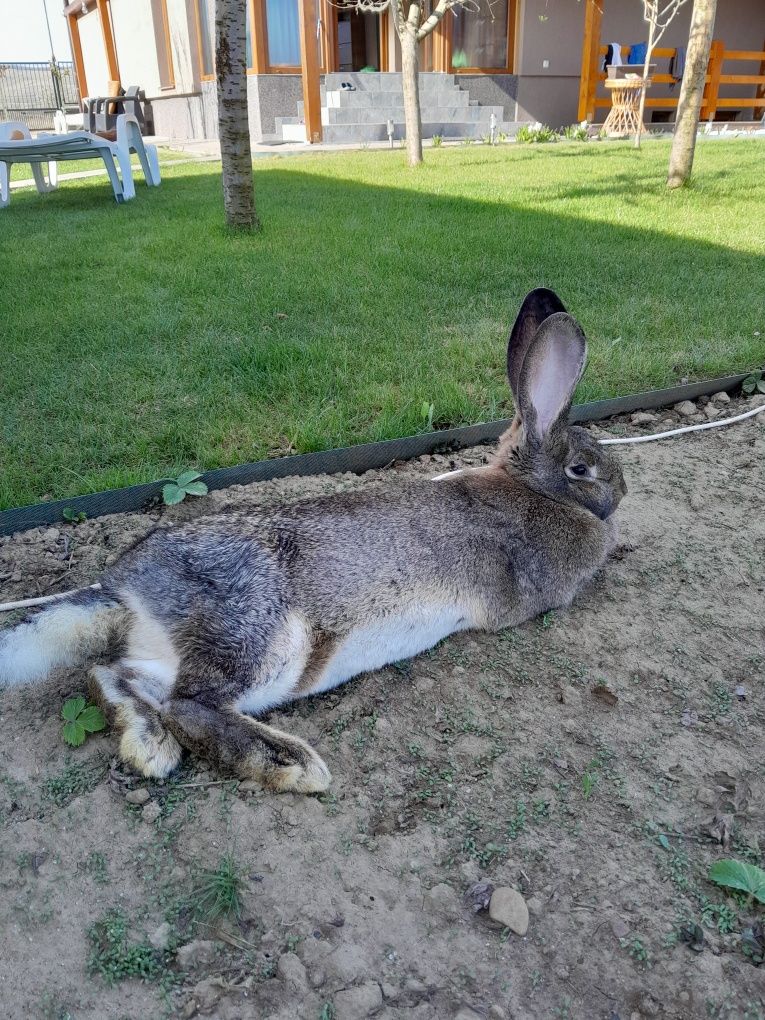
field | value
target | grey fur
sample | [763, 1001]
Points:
[235, 602]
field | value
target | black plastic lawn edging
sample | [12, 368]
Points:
[356, 459]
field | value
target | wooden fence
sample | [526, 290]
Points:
[592, 74]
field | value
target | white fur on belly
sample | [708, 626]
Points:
[390, 639]
[282, 667]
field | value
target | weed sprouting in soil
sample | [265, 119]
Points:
[115, 957]
[219, 892]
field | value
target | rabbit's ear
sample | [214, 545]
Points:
[537, 306]
[552, 368]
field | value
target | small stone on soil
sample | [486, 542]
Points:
[720, 398]
[151, 812]
[196, 954]
[362, 1001]
[139, 796]
[686, 408]
[291, 971]
[643, 418]
[508, 908]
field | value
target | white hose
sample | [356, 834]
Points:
[686, 428]
[649, 439]
[27, 603]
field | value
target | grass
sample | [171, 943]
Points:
[141, 340]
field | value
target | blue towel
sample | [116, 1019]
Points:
[638, 53]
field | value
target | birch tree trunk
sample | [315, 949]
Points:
[233, 124]
[691, 92]
[410, 65]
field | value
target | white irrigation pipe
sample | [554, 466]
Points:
[28, 603]
[648, 439]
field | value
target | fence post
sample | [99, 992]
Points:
[712, 87]
[588, 81]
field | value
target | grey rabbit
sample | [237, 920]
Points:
[212, 623]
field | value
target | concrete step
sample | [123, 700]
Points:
[378, 100]
[430, 114]
[389, 81]
[335, 134]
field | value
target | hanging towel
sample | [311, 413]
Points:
[613, 56]
[677, 65]
[638, 53]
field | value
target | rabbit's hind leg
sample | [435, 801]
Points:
[146, 744]
[246, 747]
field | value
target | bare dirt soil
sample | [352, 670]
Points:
[597, 760]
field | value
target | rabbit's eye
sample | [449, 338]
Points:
[578, 469]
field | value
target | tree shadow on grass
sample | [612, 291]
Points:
[142, 339]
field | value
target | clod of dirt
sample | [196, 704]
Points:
[643, 418]
[292, 972]
[442, 899]
[161, 936]
[689, 718]
[362, 1001]
[686, 408]
[139, 796]
[151, 812]
[619, 927]
[478, 896]
[720, 398]
[721, 828]
[196, 954]
[508, 908]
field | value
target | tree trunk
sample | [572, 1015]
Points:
[410, 64]
[691, 92]
[646, 66]
[233, 125]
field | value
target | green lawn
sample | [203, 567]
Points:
[140, 340]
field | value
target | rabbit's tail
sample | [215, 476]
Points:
[68, 633]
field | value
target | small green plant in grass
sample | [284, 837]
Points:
[80, 719]
[115, 957]
[73, 516]
[437, 141]
[718, 915]
[589, 780]
[186, 484]
[219, 892]
[574, 133]
[637, 950]
[327, 1012]
[468, 141]
[740, 875]
[536, 133]
[754, 383]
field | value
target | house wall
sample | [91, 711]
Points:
[94, 54]
[553, 30]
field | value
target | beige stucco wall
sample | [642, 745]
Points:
[93, 54]
[134, 41]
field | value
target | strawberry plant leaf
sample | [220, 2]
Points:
[196, 488]
[183, 480]
[92, 719]
[172, 493]
[72, 708]
[739, 875]
[73, 733]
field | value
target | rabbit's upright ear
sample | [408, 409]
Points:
[537, 306]
[551, 369]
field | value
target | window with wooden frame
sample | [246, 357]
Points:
[202, 13]
[482, 39]
[161, 24]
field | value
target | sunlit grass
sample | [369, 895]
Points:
[142, 339]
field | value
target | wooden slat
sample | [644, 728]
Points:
[104, 16]
[660, 51]
[714, 70]
[79, 63]
[744, 55]
[590, 50]
[742, 79]
[309, 58]
[258, 34]
[741, 103]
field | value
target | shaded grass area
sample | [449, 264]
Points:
[142, 339]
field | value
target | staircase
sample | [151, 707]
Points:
[361, 115]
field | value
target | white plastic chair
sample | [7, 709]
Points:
[55, 148]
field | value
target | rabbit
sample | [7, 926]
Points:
[209, 624]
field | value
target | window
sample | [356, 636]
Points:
[479, 37]
[162, 42]
[283, 23]
[205, 26]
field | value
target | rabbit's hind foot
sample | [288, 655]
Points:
[145, 743]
